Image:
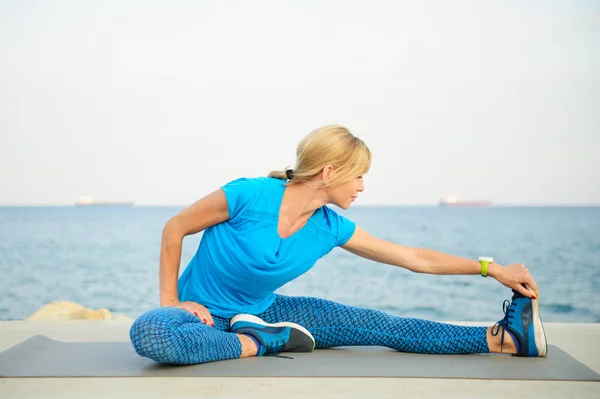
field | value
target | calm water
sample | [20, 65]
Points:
[108, 257]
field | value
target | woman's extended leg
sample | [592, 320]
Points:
[333, 324]
[175, 336]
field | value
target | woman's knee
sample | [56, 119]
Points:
[154, 330]
[175, 336]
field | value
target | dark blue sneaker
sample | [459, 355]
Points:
[274, 338]
[522, 320]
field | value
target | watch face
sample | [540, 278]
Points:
[486, 259]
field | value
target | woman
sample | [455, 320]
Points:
[261, 233]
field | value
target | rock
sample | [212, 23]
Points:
[65, 310]
[88, 314]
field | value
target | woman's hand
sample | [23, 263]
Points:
[515, 276]
[196, 309]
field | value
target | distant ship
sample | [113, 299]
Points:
[452, 201]
[87, 201]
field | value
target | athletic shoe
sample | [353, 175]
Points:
[522, 320]
[274, 338]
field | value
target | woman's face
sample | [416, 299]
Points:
[345, 194]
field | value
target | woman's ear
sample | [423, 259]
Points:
[326, 173]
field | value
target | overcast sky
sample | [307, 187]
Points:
[162, 102]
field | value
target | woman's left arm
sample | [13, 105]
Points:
[422, 260]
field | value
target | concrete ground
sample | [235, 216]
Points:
[582, 341]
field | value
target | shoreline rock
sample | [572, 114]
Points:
[66, 310]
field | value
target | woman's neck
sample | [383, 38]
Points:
[302, 200]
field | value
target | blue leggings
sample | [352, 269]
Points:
[175, 336]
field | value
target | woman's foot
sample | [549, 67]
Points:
[523, 324]
[273, 338]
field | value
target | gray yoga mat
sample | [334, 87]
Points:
[40, 356]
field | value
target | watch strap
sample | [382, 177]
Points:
[485, 261]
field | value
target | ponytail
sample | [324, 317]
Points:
[278, 174]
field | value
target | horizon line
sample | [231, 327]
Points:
[424, 204]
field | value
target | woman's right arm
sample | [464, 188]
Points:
[206, 212]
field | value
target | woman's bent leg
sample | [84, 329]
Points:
[333, 324]
[175, 336]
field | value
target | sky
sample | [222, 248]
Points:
[161, 102]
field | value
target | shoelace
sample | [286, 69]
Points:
[274, 347]
[277, 355]
[509, 311]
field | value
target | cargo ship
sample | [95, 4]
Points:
[453, 201]
[87, 201]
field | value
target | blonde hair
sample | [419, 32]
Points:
[329, 145]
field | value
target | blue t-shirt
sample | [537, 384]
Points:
[241, 262]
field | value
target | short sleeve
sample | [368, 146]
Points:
[346, 228]
[238, 193]
[342, 228]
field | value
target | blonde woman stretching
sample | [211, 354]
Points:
[260, 233]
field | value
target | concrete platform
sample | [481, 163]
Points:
[582, 341]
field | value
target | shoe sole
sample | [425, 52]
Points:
[256, 320]
[540, 335]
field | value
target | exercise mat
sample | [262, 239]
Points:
[40, 356]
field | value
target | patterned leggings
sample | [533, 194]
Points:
[175, 336]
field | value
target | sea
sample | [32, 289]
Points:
[108, 257]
